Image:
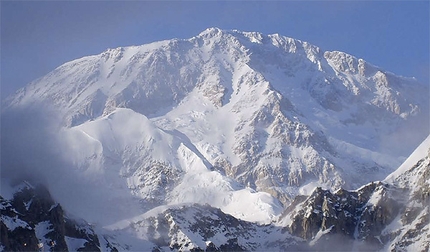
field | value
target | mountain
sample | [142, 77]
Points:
[241, 121]
[388, 215]
[265, 112]
[32, 221]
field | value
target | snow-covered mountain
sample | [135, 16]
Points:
[241, 121]
[31, 220]
[391, 215]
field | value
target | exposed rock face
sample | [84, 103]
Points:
[32, 220]
[414, 219]
[204, 228]
[345, 212]
[391, 215]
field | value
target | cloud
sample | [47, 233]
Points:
[30, 144]
[34, 147]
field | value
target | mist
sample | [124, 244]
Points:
[34, 149]
[30, 144]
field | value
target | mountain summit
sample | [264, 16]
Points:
[241, 121]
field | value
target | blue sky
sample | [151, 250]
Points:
[38, 36]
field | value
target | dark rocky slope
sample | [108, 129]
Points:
[33, 221]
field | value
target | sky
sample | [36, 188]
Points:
[38, 36]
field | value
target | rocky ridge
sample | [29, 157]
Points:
[388, 215]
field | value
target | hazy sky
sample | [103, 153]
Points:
[38, 36]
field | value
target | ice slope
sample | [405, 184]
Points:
[230, 115]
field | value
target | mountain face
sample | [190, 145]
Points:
[240, 121]
[391, 215]
[33, 221]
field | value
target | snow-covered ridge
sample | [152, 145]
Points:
[422, 151]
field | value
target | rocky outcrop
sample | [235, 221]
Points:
[32, 221]
[413, 231]
[204, 228]
[359, 215]
[392, 215]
